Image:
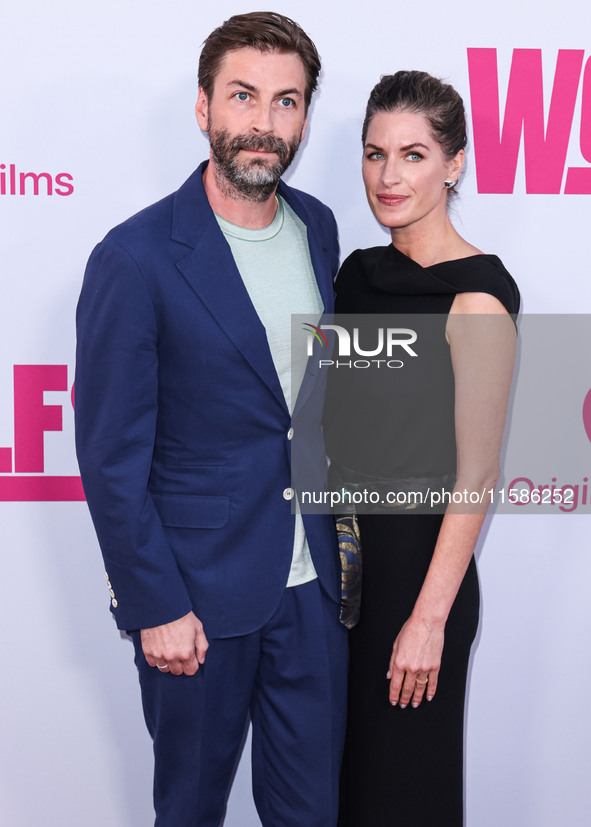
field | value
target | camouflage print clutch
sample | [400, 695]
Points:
[350, 554]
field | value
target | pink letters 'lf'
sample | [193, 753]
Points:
[545, 145]
[32, 419]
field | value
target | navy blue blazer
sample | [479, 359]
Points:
[181, 424]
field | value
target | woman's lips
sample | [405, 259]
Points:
[390, 200]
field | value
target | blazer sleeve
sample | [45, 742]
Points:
[116, 404]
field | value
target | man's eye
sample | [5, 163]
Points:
[242, 96]
[286, 103]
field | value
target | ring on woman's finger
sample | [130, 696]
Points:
[165, 666]
[422, 683]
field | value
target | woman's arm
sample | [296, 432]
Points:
[482, 340]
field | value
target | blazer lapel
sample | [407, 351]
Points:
[320, 258]
[211, 272]
[319, 254]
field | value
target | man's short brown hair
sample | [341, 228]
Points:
[263, 30]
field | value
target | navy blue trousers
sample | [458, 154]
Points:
[291, 676]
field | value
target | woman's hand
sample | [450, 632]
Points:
[415, 662]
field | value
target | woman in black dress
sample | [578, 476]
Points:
[403, 760]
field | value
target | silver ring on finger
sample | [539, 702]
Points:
[165, 666]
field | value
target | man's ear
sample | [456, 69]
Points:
[303, 132]
[202, 110]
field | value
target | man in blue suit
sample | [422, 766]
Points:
[187, 408]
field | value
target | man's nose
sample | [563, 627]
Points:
[262, 120]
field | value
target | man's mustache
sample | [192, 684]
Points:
[259, 143]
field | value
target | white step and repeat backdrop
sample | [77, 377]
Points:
[97, 122]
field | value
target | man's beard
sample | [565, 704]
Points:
[253, 180]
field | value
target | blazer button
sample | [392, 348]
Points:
[290, 433]
[288, 494]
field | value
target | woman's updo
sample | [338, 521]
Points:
[420, 92]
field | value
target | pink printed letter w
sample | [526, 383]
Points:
[545, 146]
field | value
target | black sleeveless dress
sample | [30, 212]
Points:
[403, 766]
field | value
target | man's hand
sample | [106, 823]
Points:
[178, 647]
